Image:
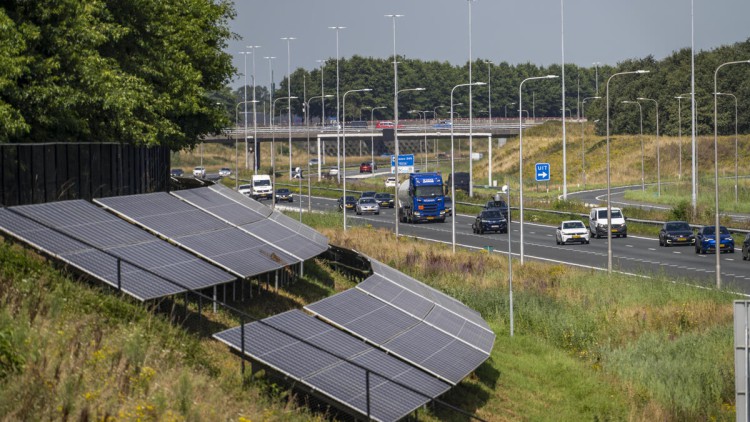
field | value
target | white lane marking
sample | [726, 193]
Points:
[677, 252]
[651, 249]
[628, 246]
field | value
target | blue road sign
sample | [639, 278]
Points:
[542, 172]
[405, 163]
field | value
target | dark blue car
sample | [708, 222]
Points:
[490, 221]
[705, 240]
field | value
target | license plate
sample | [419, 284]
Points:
[614, 230]
[430, 218]
[723, 246]
[575, 236]
[495, 226]
[681, 239]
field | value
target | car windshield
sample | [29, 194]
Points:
[367, 201]
[350, 199]
[428, 191]
[383, 196]
[573, 225]
[282, 191]
[681, 226]
[491, 214]
[262, 182]
[615, 213]
[712, 230]
[496, 204]
[244, 187]
[368, 194]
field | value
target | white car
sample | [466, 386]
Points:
[390, 182]
[572, 231]
[367, 205]
[246, 189]
[199, 172]
[225, 172]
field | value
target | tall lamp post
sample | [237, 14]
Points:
[244, 56]
[453, 167]
[395, 141]
[322, 114]
[736, 150]
[583, 142]
[520, 154]
[643, 171]
[343, 128]
[255, 119]
[609, 191]
[338, 111]
[273, 151]
[471, 114]
[658, 157]
[562, 80]
[596, 76]
[717, 233]
[372, 134]
[289, 96]
[506, 108]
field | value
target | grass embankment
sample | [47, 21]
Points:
[585, 347]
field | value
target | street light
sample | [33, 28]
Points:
[506, 191]
[583, 142]
[643, 171]
[372, 134]
[717, 234]
[322, 114]
[273, 150]
[338, 111]
[395, 141]
[562, 80]
[506, 108]
[471, 114]
[609, 192]
[343, 127]
[244, 74]
[289, 95]
[658, 158]
[453, 168]
[255, 119]
[520, 153]
[596, 77]
[736, 150]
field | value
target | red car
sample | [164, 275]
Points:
[365, 168]
[384, 124]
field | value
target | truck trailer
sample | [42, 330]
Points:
[421, 198]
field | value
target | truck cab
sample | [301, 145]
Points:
[421, 198]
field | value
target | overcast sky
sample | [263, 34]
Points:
[606, 31]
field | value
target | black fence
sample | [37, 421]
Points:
[38, 173]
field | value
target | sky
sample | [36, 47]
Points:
[605, 31]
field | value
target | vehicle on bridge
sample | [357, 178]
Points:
[421, 198]
[384, 124]
[444, 124]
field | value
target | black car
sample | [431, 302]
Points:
[461, 179]
[746, 248]
[499, 205]
[351, 202]
[676, 233]
[384, 199]
[284, 194]
[490, 220]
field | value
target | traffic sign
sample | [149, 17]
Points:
[405, 163]
[542, 172]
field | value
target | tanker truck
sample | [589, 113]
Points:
[420, 198]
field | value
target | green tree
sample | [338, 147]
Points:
[113, 70]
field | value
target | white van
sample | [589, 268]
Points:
[598, 222]
[261, 187]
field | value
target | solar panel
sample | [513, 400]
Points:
[154, 254]
[203, 234]
[323, 358]
[221, 206]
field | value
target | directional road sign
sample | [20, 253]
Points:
[405, 163]
[542, 172]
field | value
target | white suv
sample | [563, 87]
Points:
[598, 223]
[199, 172]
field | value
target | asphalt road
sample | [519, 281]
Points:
[634, 254]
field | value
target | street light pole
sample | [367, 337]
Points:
[506, 108]
[273, 151]
[520, 154]
[583, 142]
[596, 77]
[562, 79]
[506, 190]
[736, 150]
[289, 95]
[322, 115]
[609, 191]
[255, 119]
[244, 118]
[658, 158]
[338, 111]
[343, 128]
[717, 233]
[471, 114]
[395, 114]
[643, 171]
[453, 169]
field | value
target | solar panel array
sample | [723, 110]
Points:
[205, 235]
[80, 224]
[411, 320]
[334, 363]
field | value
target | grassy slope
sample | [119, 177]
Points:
[585, 347]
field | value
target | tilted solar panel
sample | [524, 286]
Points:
[319, 356]
[153, 254]
[229, 210]
[202, 233]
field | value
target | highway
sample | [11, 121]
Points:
[634, 254]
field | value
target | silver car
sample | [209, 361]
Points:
[367, 205]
